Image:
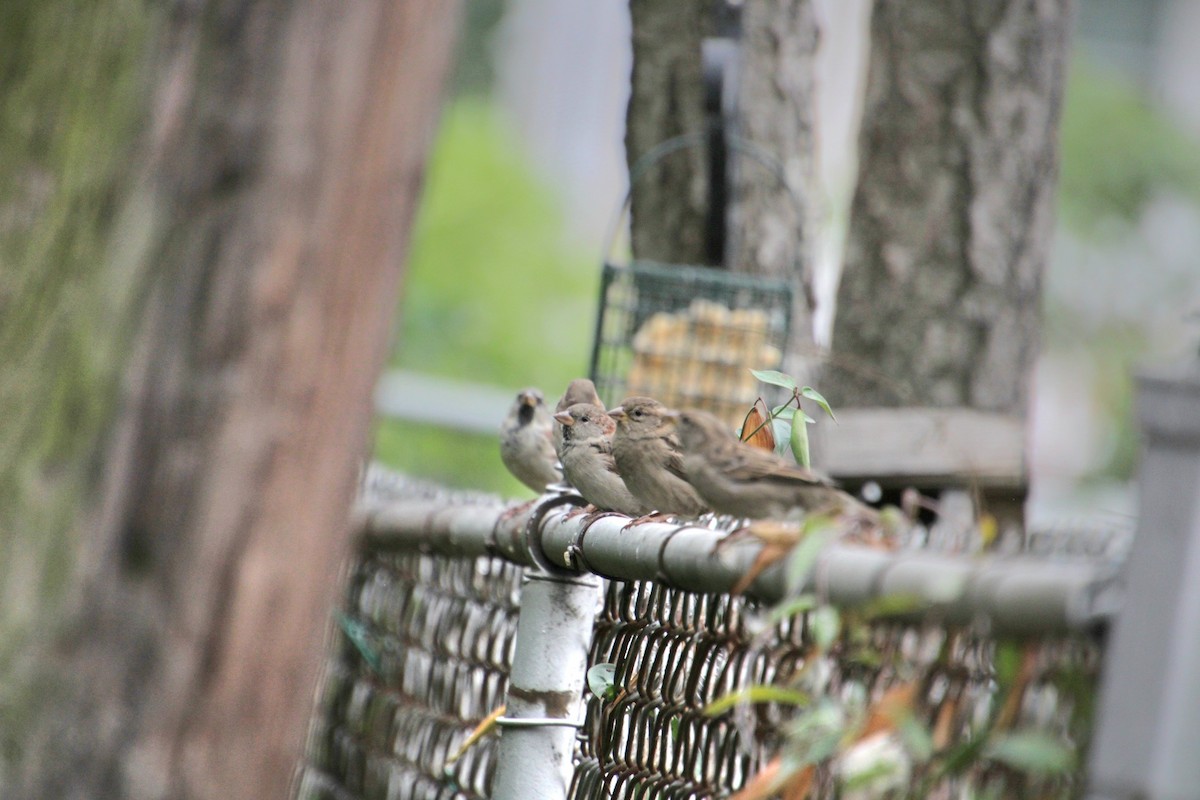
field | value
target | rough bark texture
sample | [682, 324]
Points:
[285, 152]
[770, 233]
[951, 222]
[71, 79]
[670, 201]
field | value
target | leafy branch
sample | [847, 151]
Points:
[797, 426]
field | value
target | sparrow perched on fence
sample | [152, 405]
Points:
[587, 460]
[526, 447]
[745, 481]
[646, 450]
[580, 390]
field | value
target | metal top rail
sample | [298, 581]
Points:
[1009, 594]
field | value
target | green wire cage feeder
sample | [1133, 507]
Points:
[689, 335]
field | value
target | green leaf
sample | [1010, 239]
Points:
[790, 608]
[1031, 751]
[774, 378]
[869, 776]
[892, 605]
[825, 623]
[960, 757]
[783, 435]
[757, 694]
[916, 738]
[818, 531]
[360, 637]
[799, 439]
[817, 733]
[1007, 661]
[675, 729]
[815, 396]
[864, 656]
[601, 680]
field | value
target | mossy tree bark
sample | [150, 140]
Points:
[253, 256]
[73, 87]
[951, 221]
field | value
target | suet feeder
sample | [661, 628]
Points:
[685, 334]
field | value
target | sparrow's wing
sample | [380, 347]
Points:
[745, 463]
[675, 459]
[603, 450]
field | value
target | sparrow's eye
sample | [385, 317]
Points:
[583, 419]
[637, 414]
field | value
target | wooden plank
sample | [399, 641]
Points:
[922, 446]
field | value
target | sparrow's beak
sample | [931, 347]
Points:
[564, 418]
[617, 413]
[528, 398]
[671, 416]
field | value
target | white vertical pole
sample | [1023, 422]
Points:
[1147, 739]
[545, 689]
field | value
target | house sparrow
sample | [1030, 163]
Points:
[646, 450]
[587, 459]
[580, 390]
[741, 480]
[525, 442]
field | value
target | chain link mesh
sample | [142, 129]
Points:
[423, 657]
[426, 642]
[676, 652]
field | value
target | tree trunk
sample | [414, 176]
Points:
[72, 102]
[284, 152]
[670, 200]
[951, 222]
[770, 226]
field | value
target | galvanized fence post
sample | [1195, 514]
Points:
[1147, 743]
[554, 634]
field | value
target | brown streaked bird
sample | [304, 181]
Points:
[587, 460]
[526, 447]
[745, 481]
[580, 390]
[646, 450]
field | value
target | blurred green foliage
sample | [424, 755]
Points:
[494, 293]
[1118, 149]
[72, 98]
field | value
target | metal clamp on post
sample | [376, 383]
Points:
[538, 722]
[533, 532]
[575, 556]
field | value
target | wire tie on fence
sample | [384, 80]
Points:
[538, 722]
[575, 555]
[660, 572]
[533, 530]
[490, 545]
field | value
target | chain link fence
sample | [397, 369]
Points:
[424, 643]
[422, 655]
[677, 652]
